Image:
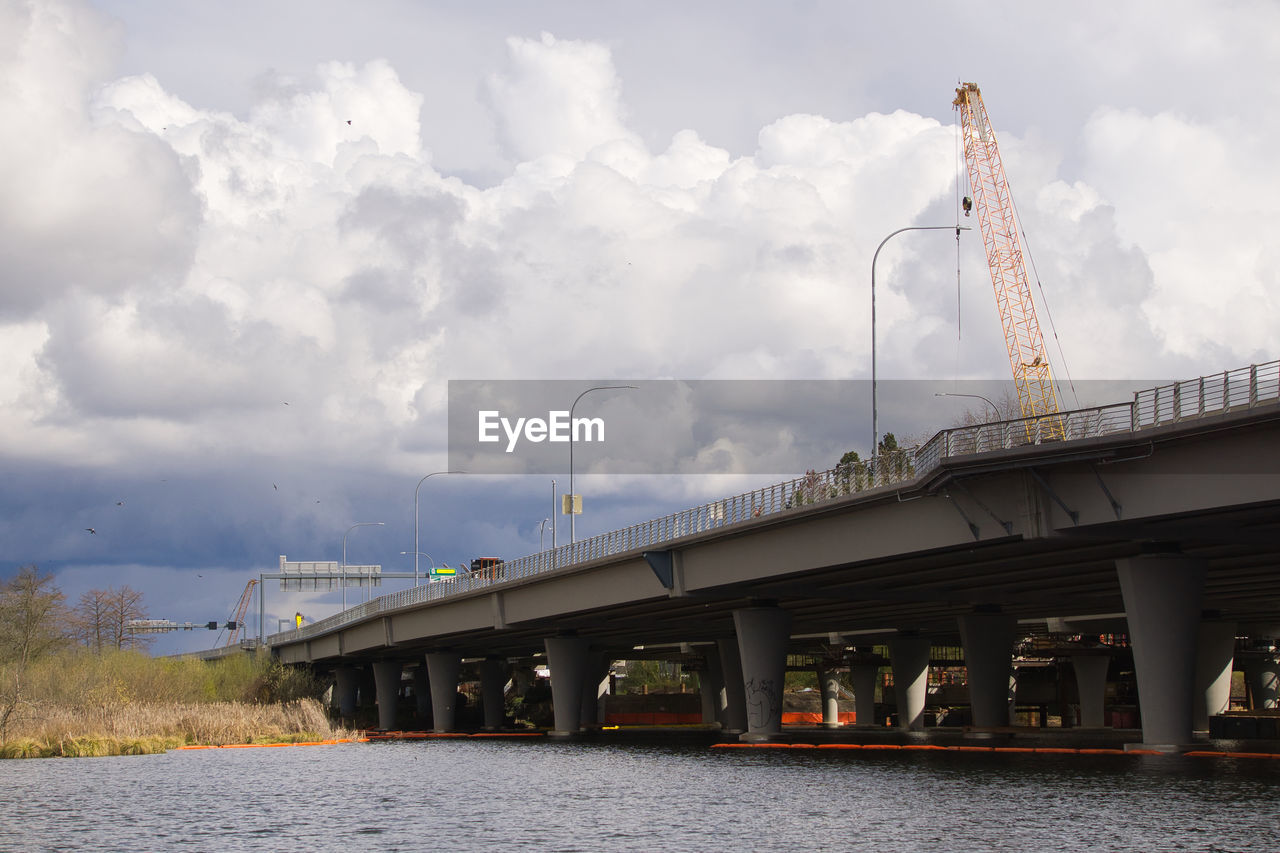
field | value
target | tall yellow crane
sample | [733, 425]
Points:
[991, 197]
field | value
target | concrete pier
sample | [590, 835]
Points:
[346, 689]
[909, 656]
[442, 668]
[1091, 686]
[493, 678]
[598, 663]
[863, 676]
[567, 660]
[1215, 651]
[763, 633]
[829, 683]
[1162, 599]
[987, 638]
[386, 679]
[735, 697]
[422, 690]
[711, 686]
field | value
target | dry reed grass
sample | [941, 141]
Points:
[79, 731]
[126, 703]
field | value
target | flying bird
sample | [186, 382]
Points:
[91, 530]
[274, 486]
[119, 503]
[348, 121]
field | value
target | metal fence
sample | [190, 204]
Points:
[1180, 401]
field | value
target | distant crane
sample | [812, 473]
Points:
[991, 196]
[245, 597]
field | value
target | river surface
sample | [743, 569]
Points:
[472, 794]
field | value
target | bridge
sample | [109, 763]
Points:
[1158, 517]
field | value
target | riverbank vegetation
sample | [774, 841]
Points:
[88, 693]
[81, 703]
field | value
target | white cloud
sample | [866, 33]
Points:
[90, 207]
[556, 97]
[174, 274]
[1200, 200]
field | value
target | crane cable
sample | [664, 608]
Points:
[1045, 302]
[954, 118]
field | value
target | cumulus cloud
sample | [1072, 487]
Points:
[1200, 200]
[556, 98]
[297, 282]
[92, 207]
[311, 245]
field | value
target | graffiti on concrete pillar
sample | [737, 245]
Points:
[764, 703]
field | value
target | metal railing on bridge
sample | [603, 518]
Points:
[1180, 401]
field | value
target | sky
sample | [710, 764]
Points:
[245, 247]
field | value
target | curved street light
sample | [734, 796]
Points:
[573, 495]
[344, 554]
[993, 406]
[416, 555]
[875, 426]
[415, 519]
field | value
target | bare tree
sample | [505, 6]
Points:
[124, 605]
[32, 617]
[89, 620]
[101, 619]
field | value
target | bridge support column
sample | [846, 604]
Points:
[598, 663]
[1162, 594]
[1263, 675]
[1091, 686]
[523, 676]
[863, 676]
[763, 633]
[734, 704]
[988, 649]
[442, 670]
[422, 692]
[567, 660]
[386, 680]
[493, 678]
[829, 684]
[345, 690]
[1215, 652]
[909, 656]
[711, 688]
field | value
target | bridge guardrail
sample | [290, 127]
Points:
[1179, 401]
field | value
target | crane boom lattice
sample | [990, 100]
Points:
[990, 188]
[241, 607]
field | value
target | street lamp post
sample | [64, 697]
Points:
[344, 554]
[993, 406]
[572, 494]
[875, 426]
[415, 518]
[542, 528]
[417, 554]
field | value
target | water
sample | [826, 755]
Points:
[468, 795]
